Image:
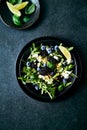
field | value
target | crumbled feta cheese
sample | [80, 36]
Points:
[66, 74]
[38, 65]
[39, 58]
[44, 59]
[35, 55]
[55, 57]
[40, 76]
[50, 81]
[46, 79]
[51, 54]
[58, 65]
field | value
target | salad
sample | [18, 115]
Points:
[50, 68]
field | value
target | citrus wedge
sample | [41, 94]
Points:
[13, 9]
[21, 5]
[66, 53]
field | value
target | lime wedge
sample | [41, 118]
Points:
[13, 9]
[66, 53]
[21, 5]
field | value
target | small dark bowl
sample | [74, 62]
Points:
[29, 88]
[6, 15]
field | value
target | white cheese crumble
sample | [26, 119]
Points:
[66, 74]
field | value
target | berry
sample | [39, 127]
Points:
[43, 53]
[52, 60]
[43, 47]
[44, 64]
[38, 69]
[28, 64]
[44, 71]
[52, 73]
[49, 51]
[36, 87]
[64, 81]
[56, 47]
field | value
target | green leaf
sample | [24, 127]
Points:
[30, 9]
[16, 20]
[33, 45]
[51, 92]
[68, 84]
[26, 19]
[33, 77]
[60, 87]
[70, 66]
[70, 48]
[73, 75]
[15, 1]
[56, 75]
[12, 1]
[18, 1]
[50, 65]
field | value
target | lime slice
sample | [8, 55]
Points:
[21, 5]
[13, 9]
[66, 53]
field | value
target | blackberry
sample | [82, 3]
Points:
[45, 71]
[52, 60]
[43, 53]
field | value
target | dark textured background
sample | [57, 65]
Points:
[66, 19]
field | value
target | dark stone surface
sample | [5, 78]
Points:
[66, 19]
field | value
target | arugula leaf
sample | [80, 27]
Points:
[68, 84]
[50, 65]
[70, 48]
[60, 87]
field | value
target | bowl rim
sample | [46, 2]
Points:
[75, 84]
[26, 25]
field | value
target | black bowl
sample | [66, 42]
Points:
[29, 88]
[6, 15]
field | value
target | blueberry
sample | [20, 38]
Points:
[56, 83]
[64, 81]
[28, 64]
[38, 69]
[43, 47]
[33, 65]
[56, 47]
[52, 73]
[36, 87]
[49, 51]
[44, 64]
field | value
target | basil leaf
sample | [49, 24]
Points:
[12, 1]
[16, 20]
[26, 19]
[15, 1]
[30, 9]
